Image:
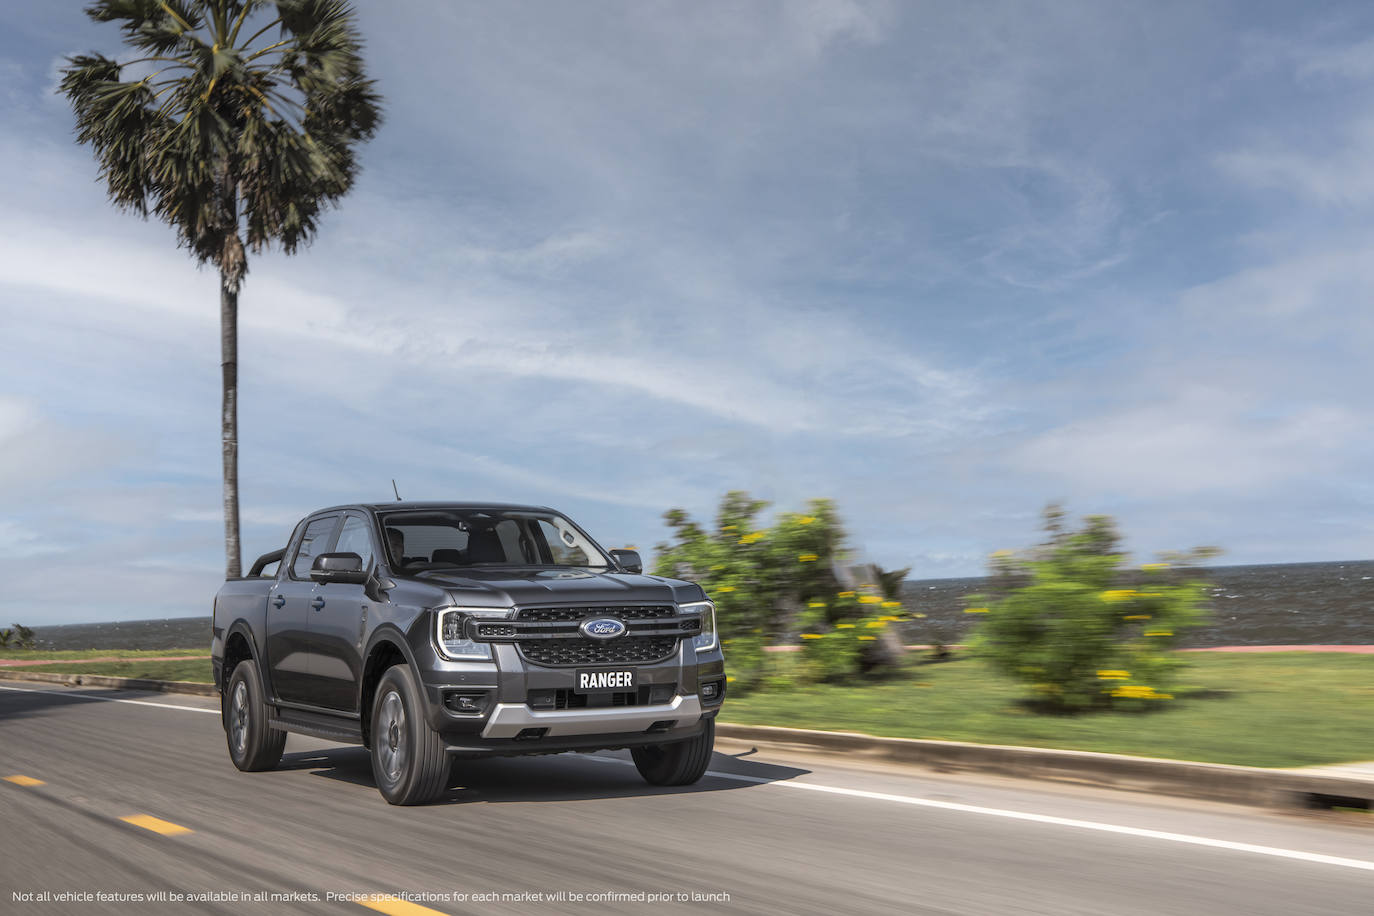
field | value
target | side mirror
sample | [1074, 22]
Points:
[628, 560]
[338, 567]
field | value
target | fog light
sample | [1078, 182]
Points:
[708, 691]
[466, 703]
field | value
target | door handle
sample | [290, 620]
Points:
[278, 601]
[318, 602]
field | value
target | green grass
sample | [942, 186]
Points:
[1282, 710]
[77, 654]
[193, 669]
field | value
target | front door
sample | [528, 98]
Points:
[337, 621]
[288, 615]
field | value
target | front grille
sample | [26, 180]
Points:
[549, 636]
[579, 614]
[627, 650]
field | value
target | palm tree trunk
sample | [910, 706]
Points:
[229, 421]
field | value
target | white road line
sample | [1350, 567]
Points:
[90, 696]
[1185, 838]
[1189, 839]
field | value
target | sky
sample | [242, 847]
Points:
[941, 262]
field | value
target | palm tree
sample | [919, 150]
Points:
[236, 125]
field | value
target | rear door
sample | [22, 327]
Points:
[288, 614]
[337, 619]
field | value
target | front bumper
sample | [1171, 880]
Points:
[510, 724]
[509, 719]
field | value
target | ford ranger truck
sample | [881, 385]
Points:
[429, 631]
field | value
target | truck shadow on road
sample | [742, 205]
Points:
[552, 778]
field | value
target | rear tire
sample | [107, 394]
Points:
[408, 757]
[678, 764]
[253, 744]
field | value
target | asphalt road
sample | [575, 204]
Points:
[794, 835]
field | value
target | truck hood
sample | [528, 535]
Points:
[510, 587]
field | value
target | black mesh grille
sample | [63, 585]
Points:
[564, 646]
[578, 614]
[628, 650]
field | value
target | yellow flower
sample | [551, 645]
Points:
[844, 626]
[1159, 632]
[875, 624]
[867, 638]
[751, 538]
[973, 610]
[892, 604]
[1140, 692]
[806, 520]
[807, 557]
[1136, 617]
[726, 588]
[1118, 594]
[730, 528]
[1154, 567]
[729, 679]
[889, 619]
[1113, 674]
[811, 636]
[815, 604]
[870, 599]
[846, 594]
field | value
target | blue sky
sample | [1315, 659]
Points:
[941, 262]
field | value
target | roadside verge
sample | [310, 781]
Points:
[1255, 786]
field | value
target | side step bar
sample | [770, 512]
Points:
[316, 725]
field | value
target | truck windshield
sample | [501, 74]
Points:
[432, 539]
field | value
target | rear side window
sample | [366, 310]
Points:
[314, 542]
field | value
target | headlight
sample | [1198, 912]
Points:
[451, 632]
[706, 639]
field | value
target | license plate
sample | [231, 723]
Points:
[604, 680]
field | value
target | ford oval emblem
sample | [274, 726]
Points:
[603, 628]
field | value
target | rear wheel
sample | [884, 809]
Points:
[408, 757]
[680, 763]
[253, 744]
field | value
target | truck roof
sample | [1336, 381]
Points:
[436, 504]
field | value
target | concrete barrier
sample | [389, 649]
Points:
[102, 680]
[1188, 779]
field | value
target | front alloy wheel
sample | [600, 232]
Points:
[409, 760]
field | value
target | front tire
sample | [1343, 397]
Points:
[253, 744]
[408, 757]
[678, 764]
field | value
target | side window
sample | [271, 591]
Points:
[355, 537]
[314, 542]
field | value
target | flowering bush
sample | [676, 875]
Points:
[1081, 628]
[771, 582]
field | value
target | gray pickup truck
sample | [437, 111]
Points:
[431, 631]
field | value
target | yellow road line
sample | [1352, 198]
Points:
[156, 825]
[19, 780]
[395, 906]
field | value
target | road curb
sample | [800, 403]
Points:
[1256, 786]
[104, 680]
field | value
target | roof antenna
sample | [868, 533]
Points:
[394, 490]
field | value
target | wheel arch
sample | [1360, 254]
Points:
[387, 648]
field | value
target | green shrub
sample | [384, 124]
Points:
[1073, 622]
[771, 582]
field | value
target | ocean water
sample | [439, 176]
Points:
[1275, 604]
[1282, 604]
